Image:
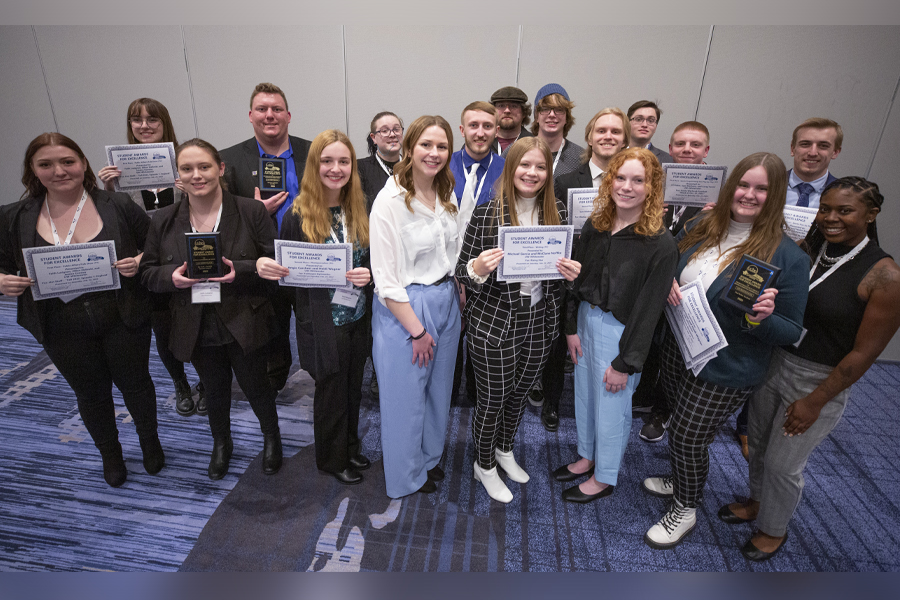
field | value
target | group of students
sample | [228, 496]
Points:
[423, 259]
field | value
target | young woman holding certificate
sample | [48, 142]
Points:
[747, 219]
[629, 258]
[97, 338]
[149, 123]
[852, 312]
[414, 231]
[223, 325]
[511, 324]
[332, 329]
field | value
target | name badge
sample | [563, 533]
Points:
[208, 292]
[346, 297]
[537, 294]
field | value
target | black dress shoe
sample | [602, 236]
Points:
[348, 476]
[272, 455]
[429, 487]
[550, 418]
[753, 553]
[184, 404]
[201, 400]
[221, 458]
[436, 474]
[154, 459]
[564, 474]
[360, 462]
[726, 515]
[574, 494]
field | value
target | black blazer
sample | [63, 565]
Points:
[242, 161]
[126, 223]
[316, 339]
[661, 155]
[246, 310]
[579, 178]
[372, 177]
[489, 311]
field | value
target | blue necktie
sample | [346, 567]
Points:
[804, 189]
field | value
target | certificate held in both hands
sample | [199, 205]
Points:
[272, 176]
[751, 277]
[204, 255]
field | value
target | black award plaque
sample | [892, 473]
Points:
[204, 255]
[272, 176]
[751, 277]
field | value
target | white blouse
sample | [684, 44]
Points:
[411, 247]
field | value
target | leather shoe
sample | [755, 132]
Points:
[550, 419]
[360, 462]
[564, 474]
[429, 487]
[221, 458]
[728, 516]
[348, 476]
[436, 474]
[272, 455]
[202, 410]
[184, 404]
[753, 553]
[574, 494]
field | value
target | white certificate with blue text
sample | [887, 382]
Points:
[67, 271]
[530, 253]
[314, 265]
[580, 205]
[693, 185]
[143, 166]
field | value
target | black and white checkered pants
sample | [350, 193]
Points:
[504, 375]
[699, 409]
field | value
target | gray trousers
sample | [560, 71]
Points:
[776, 460]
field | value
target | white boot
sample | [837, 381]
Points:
[495, 487]
[671, 529]
[507, 462]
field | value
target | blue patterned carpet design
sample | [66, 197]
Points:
[57, 514]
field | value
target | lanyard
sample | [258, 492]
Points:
[84, 197]
[389, 171]
[343, 228]
[481, 185]
[859, 247]
[558, 155]
[216, 227]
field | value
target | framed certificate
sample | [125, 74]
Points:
[799, 219]
[580, 205]
[143, 166]
[530, 253]
[314, 265]
[693, 185]
[71, 270]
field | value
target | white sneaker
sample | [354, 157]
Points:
[492, 483]
[508, 463]
[671, 529]
[664, 487]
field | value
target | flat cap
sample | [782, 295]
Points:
[509, 94]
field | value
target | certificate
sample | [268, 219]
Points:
[530, 253]
[314, 265]
[695, 328]
[580, 204]
[799, 219]
[693, 185]
[70, 270]
[143, 166]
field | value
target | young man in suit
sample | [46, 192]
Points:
[814, 144]
[513, 117]
[552, 121]
[644, 117]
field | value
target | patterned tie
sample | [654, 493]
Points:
[804, 189]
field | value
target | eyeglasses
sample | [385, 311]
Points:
[151, 121]
[639, 120]
[501, 106]
[555, 111]
[384, 131]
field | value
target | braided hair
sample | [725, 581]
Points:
[868, 192]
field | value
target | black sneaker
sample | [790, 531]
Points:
[655, 429]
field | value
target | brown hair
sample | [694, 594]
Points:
[370, 143]
[626, 129]
[267, 88]
[33, 186]
[651, 220]
[644, 104]
[506, 188]
[310, 202]
[206, 147]
[554, 101]
[480, 105]
[820, 123]
[154, 108]
[768, 227]
[403, 171]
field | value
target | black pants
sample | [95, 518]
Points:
[161, 322]
[279, 359]
[337, 400]
[463, 362]
[553, 379]
[92, 348]
[215, 365]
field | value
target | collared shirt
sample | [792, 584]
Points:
[793, 194]
[596, 173]
[412, 247]
[488, 171]
[292, 183]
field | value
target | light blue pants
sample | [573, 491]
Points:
[603, 419]
[415, 401]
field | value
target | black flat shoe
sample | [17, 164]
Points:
[272, 455]
[428, 487]
[753, 553]
[573, 494]
[348, 476]
[221, 458]
[436, 474]
[726, 515]
[360, 462]
[564, 474]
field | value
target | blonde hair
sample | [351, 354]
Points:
[403, 171]
[506, 188]
[651, 220]
[626, 130]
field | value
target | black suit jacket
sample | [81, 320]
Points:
[579, 178]
[242, 161]
[661, 155]
[246, 309]
[124, 221]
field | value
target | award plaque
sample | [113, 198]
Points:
[204, 256]
[272, 175]
[751, 277]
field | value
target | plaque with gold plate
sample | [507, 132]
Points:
[272, 176]
[751, 277]
[204, 255]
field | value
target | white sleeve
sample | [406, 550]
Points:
[463, 216]
[386, 253]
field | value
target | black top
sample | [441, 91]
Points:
[372, 177]
[630, 276]
[834, 310]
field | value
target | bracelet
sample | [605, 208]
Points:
[420, 336]
[747, 318]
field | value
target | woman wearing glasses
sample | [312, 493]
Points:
[384, 140]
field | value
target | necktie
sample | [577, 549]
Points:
[804, 190]
[471, 179]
